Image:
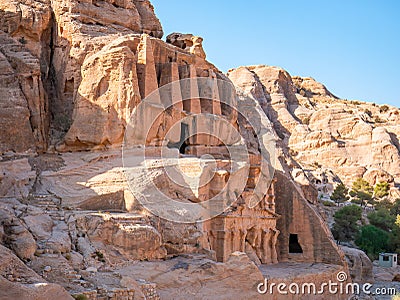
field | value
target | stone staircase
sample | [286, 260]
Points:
[129, 218]
[50, 204]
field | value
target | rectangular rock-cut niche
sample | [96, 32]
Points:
[294, 245]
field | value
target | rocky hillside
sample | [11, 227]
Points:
[47, 50]
[329, 138]
[72, 72]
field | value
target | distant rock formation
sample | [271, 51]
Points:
[189, 42]
[351, 138]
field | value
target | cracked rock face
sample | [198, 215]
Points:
[359, 264]
[351, 138]
[23, 282]
[43, 44]
[188, 42]
[72, 72]
[23, 104]
[17, 236]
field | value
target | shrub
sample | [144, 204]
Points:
[339, 195]
[293, 152]
[383, 109]
[80, 297]
[361, 191]
[382, 219]
[381, 190]
[345, 227]
[384, 204]
[379, 120]
[22, 40]
[328, 203]
[100, 256]
[372, 241]
[394, 237]
[316, 165]
[395, 209]
[355, 102]
[368, 112]
[306, 121]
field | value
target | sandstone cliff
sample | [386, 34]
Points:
[71, 74]
[323, 133]
[46, 51]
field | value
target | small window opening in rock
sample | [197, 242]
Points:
[294, 246]
[183, 139]
[182, 148]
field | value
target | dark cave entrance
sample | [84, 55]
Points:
[182, 148]
[294, 246]
[183, 139]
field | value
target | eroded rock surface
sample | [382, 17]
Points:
[71, 74]
[360, 266]
[188, 42]
[351, 138]
[17, 281]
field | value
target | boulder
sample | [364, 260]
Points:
[16, 236]
[16, 178]
[360, 266]
[126, 235]
[23, 283]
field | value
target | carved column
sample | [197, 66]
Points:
[195, 106]
[227, 249]
[237, 239]
[172, 92]
[146, 69]
[258, 242]
[216, 104]
[266, 246]
[243, 240]
[274, 254]
[171, 97]
[152, 111]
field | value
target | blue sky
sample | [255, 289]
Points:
[353, 46]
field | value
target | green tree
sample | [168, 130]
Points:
[345, 227]
[340, 194]
[381, 190]
[394, 237]
[361, 192]
[382, 219]
[372, 240]
[397, 223]
[384, 204]
[395, 209]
